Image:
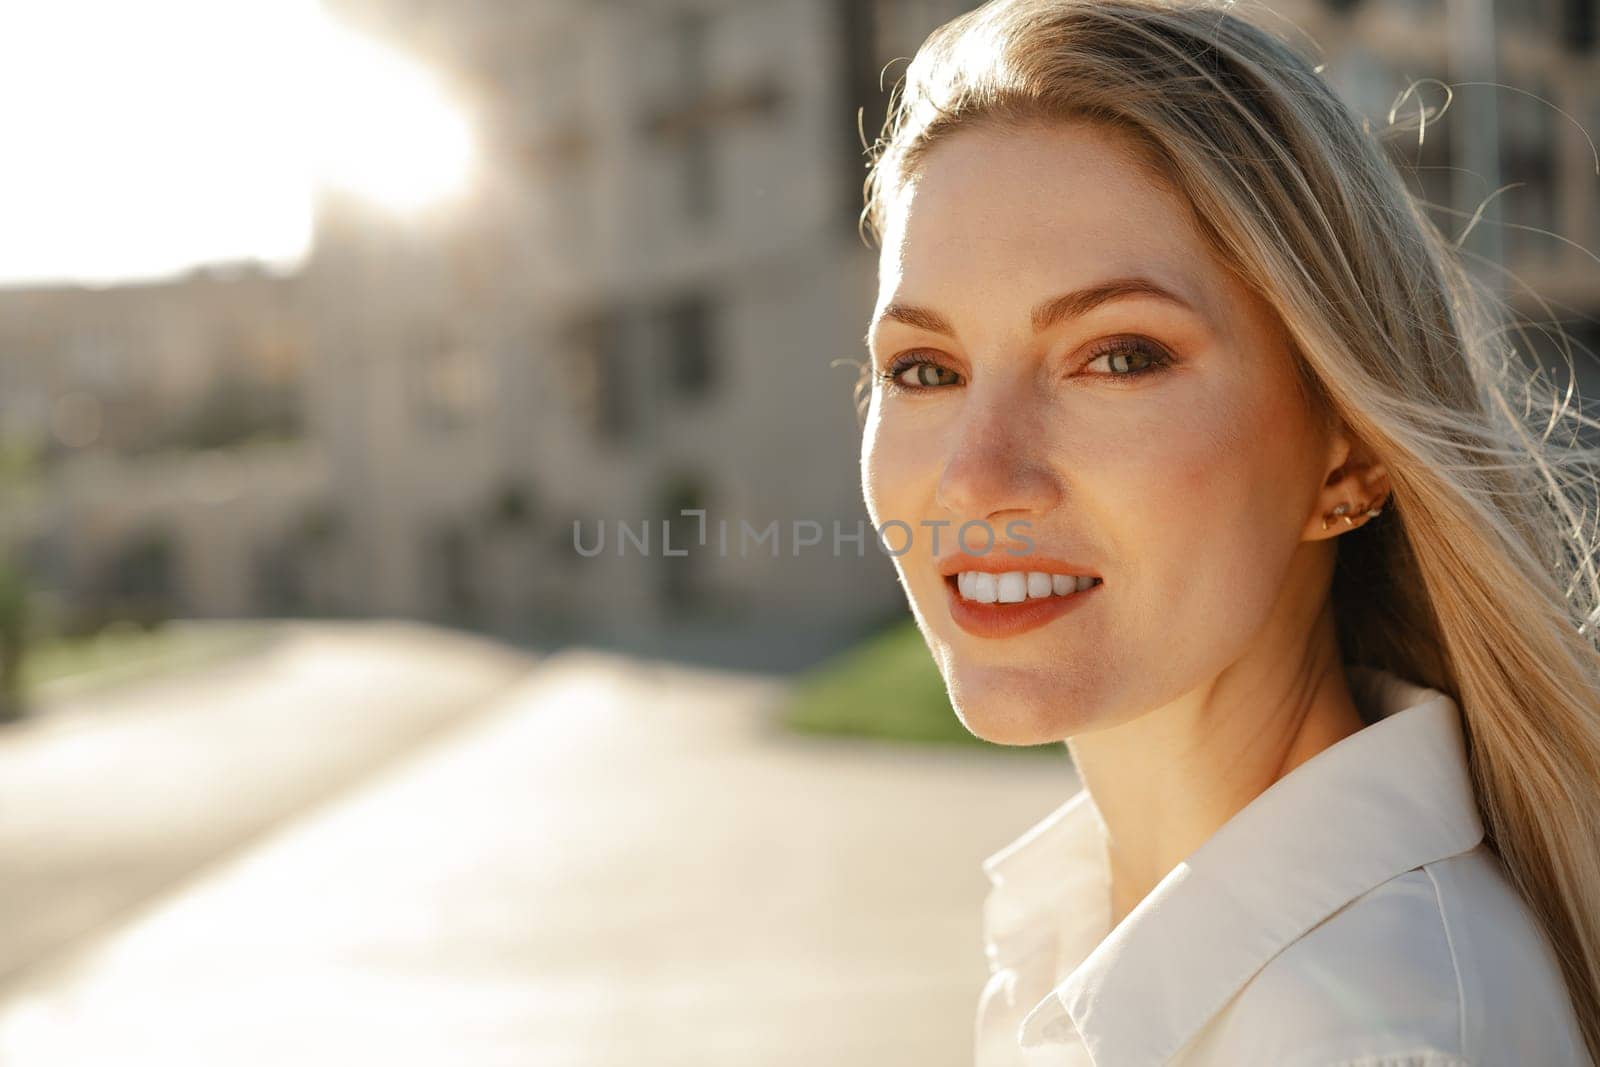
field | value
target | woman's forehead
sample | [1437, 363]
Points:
[961, 266]
[1037, 193]
[993, 219]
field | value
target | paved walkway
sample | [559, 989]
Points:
[113, 797]
[621, 863]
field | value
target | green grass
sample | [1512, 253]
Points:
[887, 687]
[124, 651]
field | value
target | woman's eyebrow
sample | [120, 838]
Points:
[1049, 312]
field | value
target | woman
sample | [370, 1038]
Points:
[1270, 547]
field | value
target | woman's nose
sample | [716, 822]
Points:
[997, 461]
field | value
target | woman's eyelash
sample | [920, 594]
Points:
[1157, 358]
[902, 364]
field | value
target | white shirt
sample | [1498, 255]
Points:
[1350, 916]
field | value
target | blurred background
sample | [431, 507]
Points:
[323, 324]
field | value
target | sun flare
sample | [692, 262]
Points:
[145, 139]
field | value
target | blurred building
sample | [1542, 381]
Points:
[633, 318]
[1531, 131]
[634, 314]
[153, 446]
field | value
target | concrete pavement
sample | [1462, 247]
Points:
[114, 796]
[620, 863]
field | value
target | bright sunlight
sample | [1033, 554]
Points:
[142, 140]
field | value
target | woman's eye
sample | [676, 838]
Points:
[913, 374]
[927, 375]
[1127, 358]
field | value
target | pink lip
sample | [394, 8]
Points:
[1008, 620]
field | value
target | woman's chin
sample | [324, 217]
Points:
[1011, 726]
[1018, 708]
[1011, 734]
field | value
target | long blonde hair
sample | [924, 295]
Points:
[1480, 579]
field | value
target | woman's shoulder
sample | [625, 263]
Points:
[1444, 964]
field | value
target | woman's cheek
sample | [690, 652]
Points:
[1163, 468]
[884, 477]
[1202, 449]
[888, 471]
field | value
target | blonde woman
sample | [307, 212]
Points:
[1244, 497]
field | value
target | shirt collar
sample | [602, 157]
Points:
[1388, 798]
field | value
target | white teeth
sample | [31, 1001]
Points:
[1011, 587]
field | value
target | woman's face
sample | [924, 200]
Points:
[1158, 444]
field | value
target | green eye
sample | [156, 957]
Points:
[929, 374]
[1130, 357]
[915, 373]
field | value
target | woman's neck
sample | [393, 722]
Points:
[1169, 779]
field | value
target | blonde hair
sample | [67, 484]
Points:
[1481, 578]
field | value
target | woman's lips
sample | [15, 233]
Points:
[1008, 620]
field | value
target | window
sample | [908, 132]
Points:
[699, 174]
[600, 386]
[1578, 18]
[447, 559]
[680, 124]
[1528, 14]
[1528, 155]
[692, 103]
[628, 359]
[448, 389]
[872, 33]
[682, 589]
[687, 327]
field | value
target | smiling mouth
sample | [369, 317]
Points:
[1008, 613]
[1015, 587]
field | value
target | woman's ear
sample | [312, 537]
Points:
[1355, 485]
